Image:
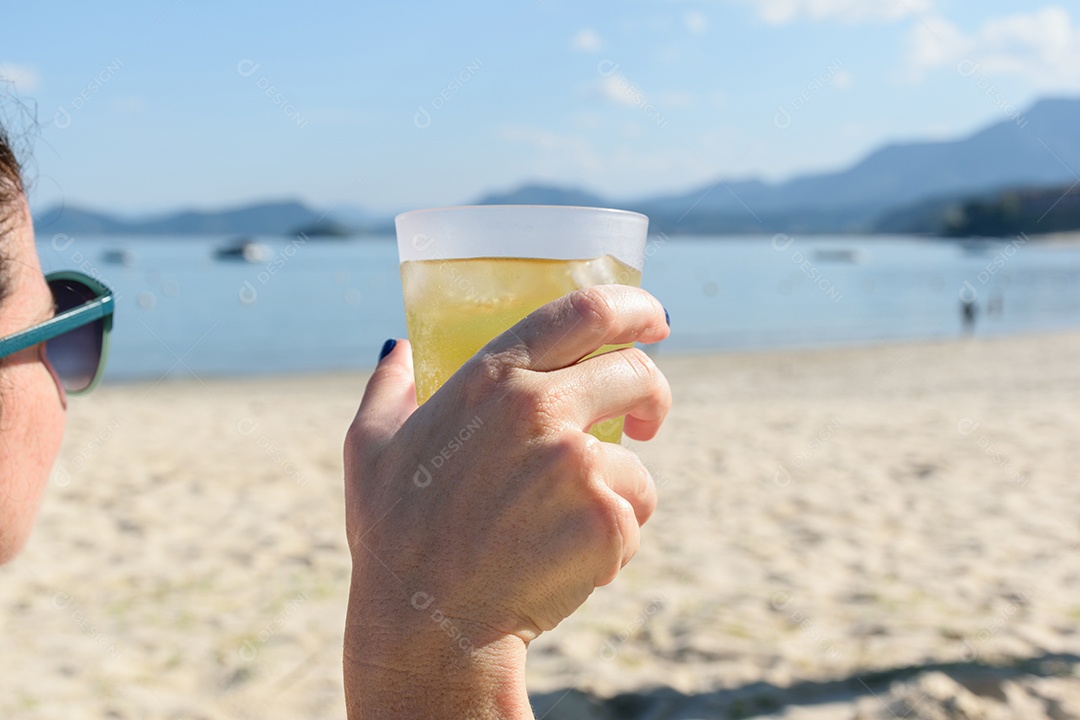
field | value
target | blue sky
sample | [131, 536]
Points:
[176, 103]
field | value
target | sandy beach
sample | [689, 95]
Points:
[863, 533]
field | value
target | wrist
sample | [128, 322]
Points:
[407, 659]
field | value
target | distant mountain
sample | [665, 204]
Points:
[265, 218]
[1040, 148]
[326, 228]
[360, 219]
[268, 218]
[73, 220]
[1000, 214]
[899, 188]
[544, 195]
[925, 217]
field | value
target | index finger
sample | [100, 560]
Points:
[564, 331]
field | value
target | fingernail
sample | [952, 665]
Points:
[667, 318]
[387, 348]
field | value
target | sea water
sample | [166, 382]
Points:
[316, 305]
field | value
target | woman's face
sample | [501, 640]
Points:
[31, 402]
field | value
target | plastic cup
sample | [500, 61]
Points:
[469, 273]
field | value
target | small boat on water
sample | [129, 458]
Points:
[118, 256]
[853, 256]
[243, 249]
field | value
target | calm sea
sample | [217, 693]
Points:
[323, 305]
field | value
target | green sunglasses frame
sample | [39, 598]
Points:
[101, 307]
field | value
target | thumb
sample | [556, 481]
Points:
[390, 396]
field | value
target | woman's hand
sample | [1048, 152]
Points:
[488, 515]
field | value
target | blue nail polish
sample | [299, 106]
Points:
[387, 348]
[667, 318]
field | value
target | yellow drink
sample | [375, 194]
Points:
[455, 307]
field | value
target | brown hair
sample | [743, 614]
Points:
[11, 189]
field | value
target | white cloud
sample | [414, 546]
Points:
[696, 22]
[620, 91]
[843, 79]
[24, 77]
[933, 43]
[1041, 47]
[781, 12]
[587, 41]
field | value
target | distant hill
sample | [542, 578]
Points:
[358, 220]
[265, 218]
[544, 195]
[325, 228]
[1001, 214]
[903, 187]
[926, 217]
[1038, 149]
[356, 216]
[287, 217]
[1018, 211]
[73, 220]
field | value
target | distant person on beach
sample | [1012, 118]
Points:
[968, 311]
[458, 568]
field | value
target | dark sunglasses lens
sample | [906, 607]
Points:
[76, 354]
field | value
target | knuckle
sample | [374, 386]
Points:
[607, 508]
[646, 495]
[578, 458]
[485, 379]
[356, 439]
[361, 451]
[637, 480]
[591, 461]
[607, 518]
[594, 307]
[536, 408]
[354, 436]
[641, 365]
[489, 370]
[616, 530]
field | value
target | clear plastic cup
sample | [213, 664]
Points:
[469, 273]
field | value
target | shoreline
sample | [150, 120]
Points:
[658, 353]
[1064, 239]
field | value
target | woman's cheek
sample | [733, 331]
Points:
[32, 422]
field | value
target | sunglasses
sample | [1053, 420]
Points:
[77, 338]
